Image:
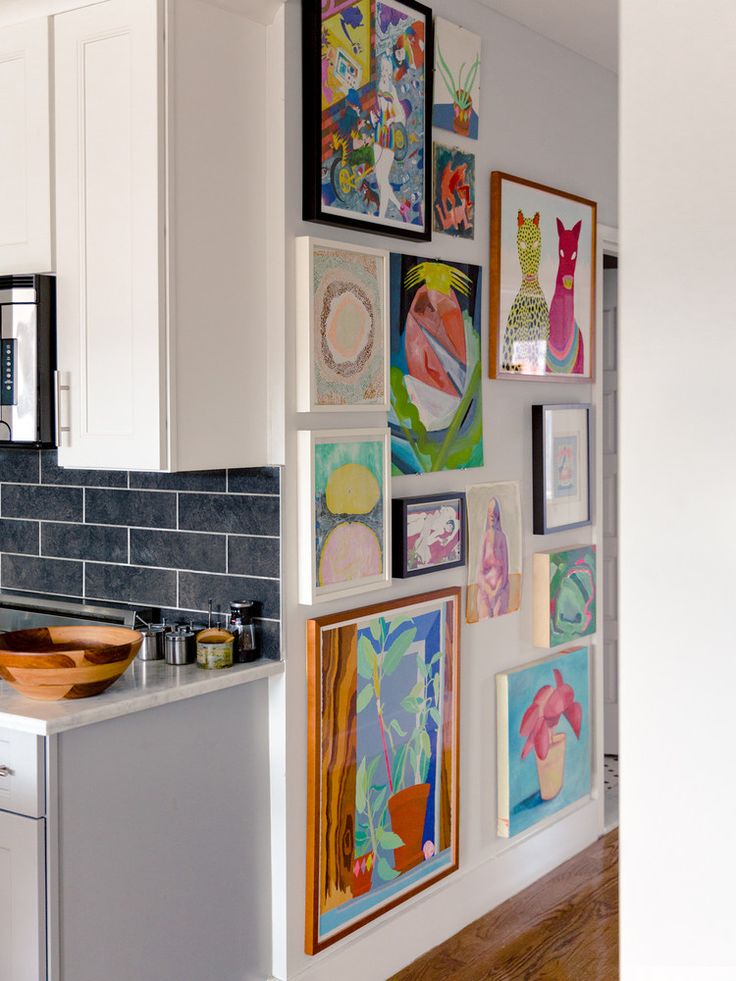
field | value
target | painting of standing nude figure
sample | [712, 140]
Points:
[494, 551]
[366, 69]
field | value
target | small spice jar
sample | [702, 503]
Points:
[215, 648]
[242, 627]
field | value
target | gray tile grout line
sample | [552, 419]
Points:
[141, 490]
[152, 568]
[167, 530]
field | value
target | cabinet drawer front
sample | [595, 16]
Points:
[22, 773]
[22, 898]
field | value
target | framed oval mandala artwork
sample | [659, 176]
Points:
[543, 255]
[344, 513]
[342, 330]
[367, 90]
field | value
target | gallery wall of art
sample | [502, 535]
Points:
[546, 115]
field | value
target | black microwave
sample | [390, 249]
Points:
[27, 361]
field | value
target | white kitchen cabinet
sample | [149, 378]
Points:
[164, 235]
[25, 160]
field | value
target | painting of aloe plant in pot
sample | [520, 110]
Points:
[383, 810]
[543, 739]
[457, 79]
[436, 417]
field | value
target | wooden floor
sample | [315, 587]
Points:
[562, 928]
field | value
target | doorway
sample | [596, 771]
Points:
[607, 387]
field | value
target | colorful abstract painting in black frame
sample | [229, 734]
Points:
[368, 69]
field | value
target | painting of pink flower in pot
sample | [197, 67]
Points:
[543, 739]
[436, 417]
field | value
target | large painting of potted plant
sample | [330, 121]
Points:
[383, 764]
[543, 739]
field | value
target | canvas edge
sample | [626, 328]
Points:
[314, 700]
[502, 754]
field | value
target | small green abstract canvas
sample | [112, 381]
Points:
[565, 595]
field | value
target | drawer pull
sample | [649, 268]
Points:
[5, 771]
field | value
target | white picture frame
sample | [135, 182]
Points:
[310, 368]
[324, 535]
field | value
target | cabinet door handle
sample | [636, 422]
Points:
[58, 389]
[5, 771]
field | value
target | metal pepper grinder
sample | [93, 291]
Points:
[242, 627]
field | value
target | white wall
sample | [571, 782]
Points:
[549, 115]
[678, 351]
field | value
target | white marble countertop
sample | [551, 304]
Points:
[146, 684]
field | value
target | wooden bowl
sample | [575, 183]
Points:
[52, 663]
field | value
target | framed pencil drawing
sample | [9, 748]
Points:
[342, 329]
[561, 461]
[344, 513]
[543, 248]
[383, 759]
[428, 534]
[367, 99]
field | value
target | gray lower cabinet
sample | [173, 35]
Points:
[22, 857]
[149, 857]
[22, 898]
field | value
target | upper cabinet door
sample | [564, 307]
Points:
[25, 160]
[109, 228]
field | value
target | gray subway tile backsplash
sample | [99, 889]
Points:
[254, 556]
[196, 588]
[97, 543]
[228, 513]
[46, 503]
[130, 508]
[129, 584]
[214, 481]
[172, 541]
[52, 473]
[41, 575]
[19, 466]
[178, 550]
[257, 480]
[18, 536]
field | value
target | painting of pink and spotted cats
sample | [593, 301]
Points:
[542, 282]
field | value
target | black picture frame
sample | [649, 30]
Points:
[312, 204]
[543, 520]
[400, 553]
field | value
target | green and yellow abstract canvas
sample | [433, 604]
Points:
[343, 512]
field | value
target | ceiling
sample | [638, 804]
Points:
[588, 27]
